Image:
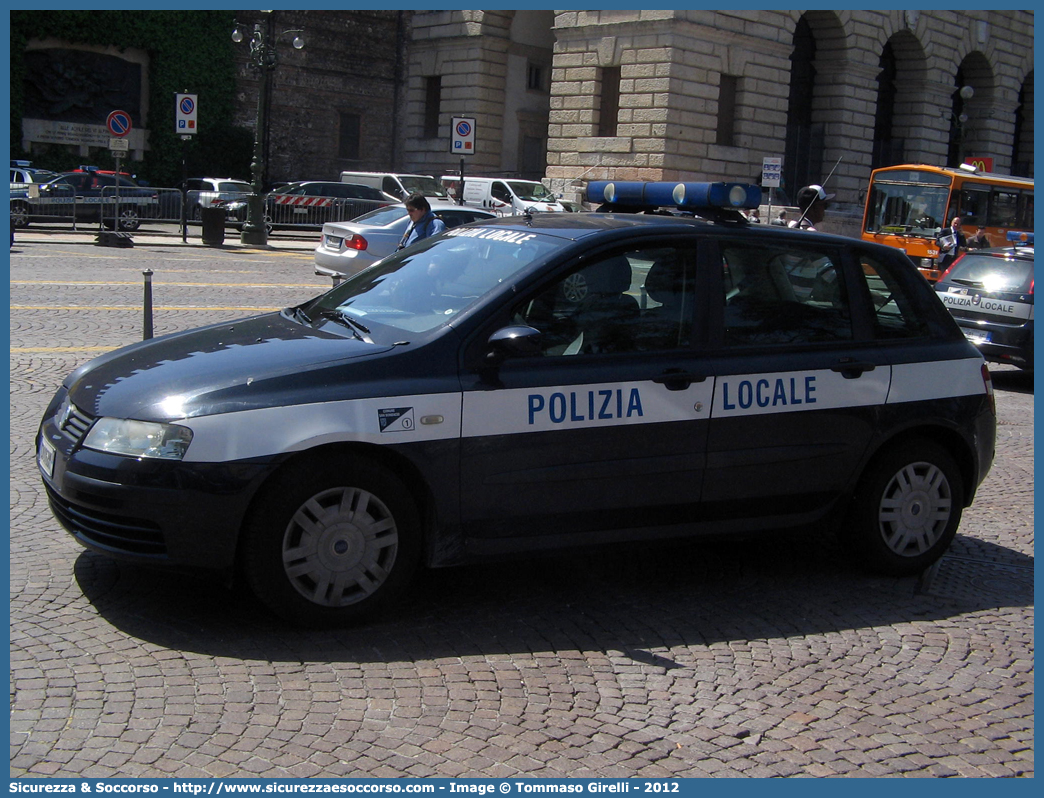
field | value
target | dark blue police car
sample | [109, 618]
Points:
[534, 382]
[990, 294]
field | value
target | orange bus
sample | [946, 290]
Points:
[907, 206]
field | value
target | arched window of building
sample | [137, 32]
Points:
[803, 153]
[1022, 147]
[887, 150]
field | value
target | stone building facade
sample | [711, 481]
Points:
[334, 105]
[706, 95]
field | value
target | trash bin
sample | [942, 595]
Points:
[213, 220]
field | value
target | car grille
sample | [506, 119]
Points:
[73, 423]
[113, 533]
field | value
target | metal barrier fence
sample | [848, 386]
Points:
[290, 212]
[149, 207]
[126, 210]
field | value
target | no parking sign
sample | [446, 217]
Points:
[185, 108]
[463, 142]
[119, 123]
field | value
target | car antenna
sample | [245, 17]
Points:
[822, 185]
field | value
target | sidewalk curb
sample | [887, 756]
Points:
[23, 237]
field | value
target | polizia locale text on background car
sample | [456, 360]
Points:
[536, 382]
[990, 294]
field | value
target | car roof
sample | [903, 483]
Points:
[1007, 253]
[591, 222]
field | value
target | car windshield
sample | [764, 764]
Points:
[427, 186]
[381, 216]
[992, 273]
[233, 185]
[534, 192]
[906, 209]
[430, 283]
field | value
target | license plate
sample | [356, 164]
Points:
[333, 242]
[977, 337]
[45, 457]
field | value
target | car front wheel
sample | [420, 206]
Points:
[331, 542]
[129, 220]
[907, 508]
[19, 214]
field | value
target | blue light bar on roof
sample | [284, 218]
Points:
[689, 196]
[1020, 237]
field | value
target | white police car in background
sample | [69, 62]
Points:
[535, 382]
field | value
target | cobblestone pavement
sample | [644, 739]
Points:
[769, 658]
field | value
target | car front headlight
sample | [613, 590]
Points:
[139, 438]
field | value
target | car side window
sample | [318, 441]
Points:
[894, 315]
[500, 192]
[634, 301]
[783, 294]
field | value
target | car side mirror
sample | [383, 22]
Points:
[518, 340]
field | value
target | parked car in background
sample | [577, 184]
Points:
[25, 185]
[309, 204]
[87, 197]
[990, 294]
[505, 195]
[349, 247]
[398, 186]
[201, 192]
[23, 175]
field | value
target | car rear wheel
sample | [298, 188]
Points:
[19, 214]
[331, 542]
[907, 508]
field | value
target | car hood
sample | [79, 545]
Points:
[240, 365]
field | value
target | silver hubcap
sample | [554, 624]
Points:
[575, 287]
[915, 509]
[340, 547]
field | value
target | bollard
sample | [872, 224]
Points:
[147, 273]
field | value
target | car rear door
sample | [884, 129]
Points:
[798, 392]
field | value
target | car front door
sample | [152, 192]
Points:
[604, 427]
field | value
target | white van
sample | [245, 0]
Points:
[504, 195]
[396, 185]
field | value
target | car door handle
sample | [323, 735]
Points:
[850, 369]
[678, 380]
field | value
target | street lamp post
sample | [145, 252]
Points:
[959, 119]
[263, 58]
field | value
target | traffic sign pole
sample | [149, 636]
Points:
[119, 124]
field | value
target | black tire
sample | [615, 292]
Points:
[19, 215]
[129, 219]
[906, 509]
[331, 541]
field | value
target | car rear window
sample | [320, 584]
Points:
[381, 216]
[993, 273]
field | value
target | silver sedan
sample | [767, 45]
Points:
[347, 248]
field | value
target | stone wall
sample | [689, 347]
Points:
[671, 63]
[352, 63]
